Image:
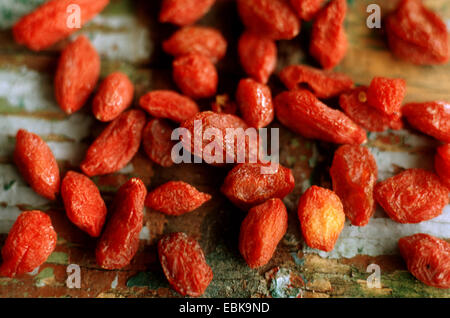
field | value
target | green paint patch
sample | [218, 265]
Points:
[120, 7]
[282, 287]
[147, 279]
[7, 108]
[8, 185]
[291, 160]
[58, 258]
[295, 143]
[298, 261]
[44, 277]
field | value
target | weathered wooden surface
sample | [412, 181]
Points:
[129, 38]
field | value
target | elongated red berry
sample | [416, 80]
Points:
[157, 143]
[442, 164]
[386, 95]
[184, 12]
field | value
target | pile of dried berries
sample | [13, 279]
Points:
[415, 195]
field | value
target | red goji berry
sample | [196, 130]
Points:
[431, 118]
[255, 103]
[37, 164]
[427, 258]
[157, 143]
[307, 9]
[354, 174]
[321, 218]
[176, 198]
[323, 84]
[83, 203]
[261, 231]
[258, 56]
[184, 264]
[30, 242]
[51, 22]
[271, 18]
[328, 39]
[168, 104]
[184, 12]
[303, 113]
[120, 240]
[417, 34]
[442, 164]
[386, 95]
[412, 196]
[77, 74]
[195, 75]
[223, 105]
[355, 105]
[114, 95]
[116, 145]
[246, 185]
[197, 40]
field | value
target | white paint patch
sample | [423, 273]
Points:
[8, 216]
[145, 234]
[115, 282]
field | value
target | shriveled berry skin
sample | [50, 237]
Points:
[83, 203]
[442, 164]
[412, 196]
[258, 56]
[427, 258]
[255, 103]
[184, 264]
[355, 105]
[417, 34]
[37, 164]
[323, 84]
[116, 145]
[328, 39]
[30, 242]
[76, 75]
[431, 118]
[168, 104]
[386, 95]
[184, 12]
[49, 23]
[246, 186]
[223, 105]
[354, 173]
[321, 218]
[176, 198]
[114, 95]
[304, 114]
[195, 75]
[307, 9]
[157, 143]
[261, 231]
[271, 18]
[120, 240]
[197, 40]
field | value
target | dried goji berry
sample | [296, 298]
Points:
[272, 18]
[37, 164]
[223, 105]
[168, 104]
[303, 113]
[417, 34]
[184, 12]
[176, 198]
[323, 84]
[246, 185]
[354, 174]
[307, 9]
[157, 143]
[386, 95]
[255, 103]
[184, 264]
[261, 231]
[195, 75]
[120, 240]
[83, 203]
[328, 39]
[258, 56]
[116, 145]
[442, 164]
[76, 75]
[427, 258]
[197, 40]
[321, 218]
[355, 105]
[30, 242]
[51, 22]
[431, 118]
[412, 196]
[114, 95]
